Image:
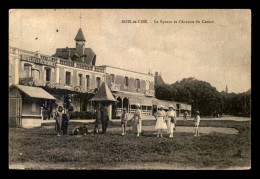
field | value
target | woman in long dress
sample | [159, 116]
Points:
[171, 120]
[160, 121]
[137, 127]
[58, 120]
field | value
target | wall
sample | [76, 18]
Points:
[35, 70]
[75, 77]
[31, 122]
[14, 63]
[31, 106]
[120, 75]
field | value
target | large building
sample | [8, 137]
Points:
[72, 73]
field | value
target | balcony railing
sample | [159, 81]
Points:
[28, 81]
[99, 69]
[67, 62]
[115, 87]
[33, 59]
[18, 51]
[82, 89]
[84, 66]
[149, 92]
[52, 85]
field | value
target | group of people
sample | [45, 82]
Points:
[164, 121]
[61, 121]
[62, 116]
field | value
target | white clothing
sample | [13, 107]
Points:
[160, 123]
[197, 120]
[170, 125]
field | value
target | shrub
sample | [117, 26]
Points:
[81, 115]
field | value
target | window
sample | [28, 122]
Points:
[33, 107]
[126, 81]
[137, 83]
[68, 76]
[27, 70]
[147, 87]
[87, 81]
[80, 79]
[97, 82]
[112, 77]
[48, 74]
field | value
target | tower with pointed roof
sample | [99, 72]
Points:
[226, 89]
[80, 44]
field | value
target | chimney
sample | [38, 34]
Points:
[69, 54]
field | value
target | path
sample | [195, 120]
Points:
[152, 118]
[205, 130]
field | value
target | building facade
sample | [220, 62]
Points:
[72, 73]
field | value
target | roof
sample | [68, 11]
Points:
[80, 36]
[103, 94]
[34, 92]
[135, 98]
[124, 69]
[90, 57]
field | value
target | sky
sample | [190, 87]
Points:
[217, 52]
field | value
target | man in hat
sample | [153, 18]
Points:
[197, 122]
[124, 121]
[171, 121]
[104, 116]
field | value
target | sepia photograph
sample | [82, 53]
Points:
[129, 89]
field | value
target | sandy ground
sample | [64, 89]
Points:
[132, 166]
[204, 130]
[152, 118]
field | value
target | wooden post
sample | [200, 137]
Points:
[110, 111]
[41, 115]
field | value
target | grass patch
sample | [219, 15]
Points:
[41, 145]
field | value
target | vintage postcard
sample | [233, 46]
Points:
[129, 89]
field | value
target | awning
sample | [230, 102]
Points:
[34, 92]
[166, 104]
[185, 107]
[140, 100]
[134, 99]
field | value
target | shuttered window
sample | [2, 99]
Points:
[68, 78]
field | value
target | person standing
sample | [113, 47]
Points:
[185, 115]
[65, 119]
[197, 122]
[104, 117]
[124, 117]
[98, 120]
[58, 118]
[137, 127]
[171, 121]
[160, 121]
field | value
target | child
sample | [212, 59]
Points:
[124, 121]
[160, 121]
[80, 130]
[171, 122]
[197, 122]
